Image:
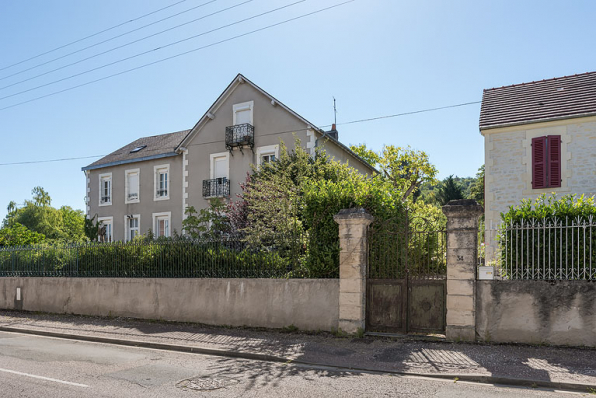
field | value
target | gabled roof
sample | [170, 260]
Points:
[540, 101]
[153, 147]
[239, 79]
[159, 146]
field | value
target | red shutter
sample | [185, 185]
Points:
[539, 162]
[554, 161]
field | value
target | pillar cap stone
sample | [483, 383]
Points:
[462, 208]
[356, 213]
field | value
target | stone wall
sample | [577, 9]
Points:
[536, 312]
[309, 304]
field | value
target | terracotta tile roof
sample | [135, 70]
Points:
[155, 146]
[558, 98]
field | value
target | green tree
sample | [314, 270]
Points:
[449, 190]
[368, 155]
[37, 215]
[18, 235]
[477, 187]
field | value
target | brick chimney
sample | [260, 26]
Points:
[333, 132]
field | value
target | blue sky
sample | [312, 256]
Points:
[377, 57]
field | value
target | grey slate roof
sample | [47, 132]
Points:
[163, 145]
[545, 100]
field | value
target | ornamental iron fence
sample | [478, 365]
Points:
[541, 249]
[226, 257]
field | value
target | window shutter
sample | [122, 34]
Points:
[539, 162]
[554, 161]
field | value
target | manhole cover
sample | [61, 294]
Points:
[206, 383]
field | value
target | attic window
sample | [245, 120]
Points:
[137, 149]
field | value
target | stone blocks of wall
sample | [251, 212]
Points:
[309, 304]
[536, 312]
[462, 239]
[353, 226]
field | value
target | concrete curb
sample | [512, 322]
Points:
[475, 378]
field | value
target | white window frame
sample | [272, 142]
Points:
[127, 226]
[243, 107]
[103, 177]
[127, 188]
[267, 150]
[107, 221]
[156, 171]
[212, 163]
[161, 216]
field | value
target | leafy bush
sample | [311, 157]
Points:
[549, 238]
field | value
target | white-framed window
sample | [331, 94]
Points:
[106, 229]
[220, 165]
[243, 113]
[132, 223]
[162, 224]
[132, 187]
[105, 189]
[162, 182]
[266, 154]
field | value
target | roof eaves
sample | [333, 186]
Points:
[126, 161]
[533, 121]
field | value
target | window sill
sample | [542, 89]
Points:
[105, 204]
[539, 191]
[159, 198]
[132, 201]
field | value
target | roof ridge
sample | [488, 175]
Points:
[540, 81]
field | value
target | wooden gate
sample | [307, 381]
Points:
[406, 281]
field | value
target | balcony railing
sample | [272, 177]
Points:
[133, 196]
[162, 193]
[217, 187]
[239, 136]
[106, 199]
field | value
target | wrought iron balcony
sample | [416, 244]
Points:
[133, 196]
[216, 187]
[106, 199]
[239, 136]
[162, 192]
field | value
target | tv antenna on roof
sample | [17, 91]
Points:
[334, 112]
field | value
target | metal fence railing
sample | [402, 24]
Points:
[546, 249]
[398, 252]
[183, 258]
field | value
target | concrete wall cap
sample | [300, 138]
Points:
[462, 208]
[356, 213]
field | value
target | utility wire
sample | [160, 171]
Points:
[278, 132]
[157, 48]
[90, 36]
[116, 48]
[105, 41]
[177, 55]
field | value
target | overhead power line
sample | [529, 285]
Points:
[174, 56]
[105, 41]
[154, 49]
[90, 36]
[278, 132]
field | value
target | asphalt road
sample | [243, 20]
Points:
[32, 366]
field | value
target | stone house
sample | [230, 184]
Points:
[539, 137]
[148, 184]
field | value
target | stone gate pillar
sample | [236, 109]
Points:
[353, 257]
[462, 257]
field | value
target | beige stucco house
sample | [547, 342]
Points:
[540, 137]
[148, 184]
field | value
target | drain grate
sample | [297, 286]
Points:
[206, 383]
